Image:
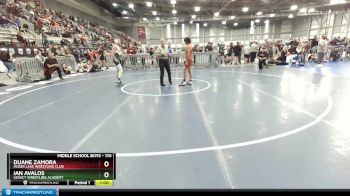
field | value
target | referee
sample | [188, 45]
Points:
[163, 55]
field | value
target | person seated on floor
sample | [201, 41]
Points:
[25, 28]
[93, 61]
[101, 55]
[66, 69]
[80, 67]
[20, 38]
[51, 65]
[300, 54]
[39, 56]
[60, 51]
[263, 56]
[271, 61]
[7, 60]
[89, 67]
[312, 58]
[281, 59]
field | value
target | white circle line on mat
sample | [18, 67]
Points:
[123, 89]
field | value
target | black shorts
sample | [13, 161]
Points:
[247, 56]
[117, 61]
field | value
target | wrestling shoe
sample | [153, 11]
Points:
[183, 83]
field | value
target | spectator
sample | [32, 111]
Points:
[151, 52]
[222, 53]
[59, 51]
[6, 58]
[18, 23]
[246, 50]
[131, 50]
[102, 56]
[321, 49]
[76, 55]
[230, 53]
[62, 42]
[201, 49]
[237, 50]
[300, 54]
[195, 48]
[39, 57]
[21, 39]
[263, 55]
[45, 40]
[25, 28]
[253, 51]
[170, 49]
[50, 66]
[66, 69]
[208, 47]
[314, 42]
[281, 57]
[4, 23]
[81, 66]
[53, 49]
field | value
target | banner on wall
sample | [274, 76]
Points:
[141, 33]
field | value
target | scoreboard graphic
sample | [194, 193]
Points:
[61, 169]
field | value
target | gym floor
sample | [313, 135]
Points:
[234, 128]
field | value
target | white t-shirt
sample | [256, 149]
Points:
[246, 49]
[254, 47]
[163, 52]
[39, 58]
[322, 46]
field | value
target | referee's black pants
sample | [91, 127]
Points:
[164, 63]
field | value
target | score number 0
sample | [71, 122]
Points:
[106, 164]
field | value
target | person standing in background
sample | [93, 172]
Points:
[18, 23]
[171, 51]
[151, 52]
[163, 55]
[39, 57]
[209, 47]
[321, 49]
[102, 57]
[314, 42]
[246, 50]
[237, 50]
[253, 51]
[230, 54]
[169, 48]
[222, 53]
